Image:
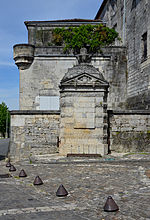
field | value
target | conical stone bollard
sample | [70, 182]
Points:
[12, 168]
[110, 205]
[37, 181]
[22, 173]
[8, 164]
[61, 191]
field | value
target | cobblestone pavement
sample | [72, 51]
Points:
[88, 184]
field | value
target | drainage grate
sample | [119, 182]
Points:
[5, 175]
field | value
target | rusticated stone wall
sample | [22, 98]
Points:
[129, 131]
[33, 132]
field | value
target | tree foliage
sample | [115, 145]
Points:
[4, 118]
[92, 37]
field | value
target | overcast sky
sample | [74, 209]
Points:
[13, 13]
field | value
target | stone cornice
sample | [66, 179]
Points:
[129, 112]
[34, 112]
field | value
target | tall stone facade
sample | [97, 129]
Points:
[131, 18]
[42, 65]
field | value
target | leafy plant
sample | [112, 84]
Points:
[4, 119]
[57, 39]
[92, 37]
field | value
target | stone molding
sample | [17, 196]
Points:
[53, 51]
[34, 112]
[129, 112]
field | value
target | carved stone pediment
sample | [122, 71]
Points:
[84, 79]
[83, 75]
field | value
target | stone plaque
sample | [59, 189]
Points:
[84, 112]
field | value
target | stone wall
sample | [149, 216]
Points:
[138, 23]
[43, 77]
[132, 20]
[33, 132]
[113, 65]
[40, 32]
[129, 131]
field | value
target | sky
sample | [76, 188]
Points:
[13, 31]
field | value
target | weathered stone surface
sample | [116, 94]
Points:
[131, 19]
[34, 134]
[130, 131]
[42, 79]
[80, 69]
[84, 132]
[84, 118]
[50, 64]
[23, 55]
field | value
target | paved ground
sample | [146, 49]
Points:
[88, 184]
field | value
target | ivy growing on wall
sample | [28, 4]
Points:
[92, 37]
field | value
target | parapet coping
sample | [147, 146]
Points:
[110, 46]
[68, 55]
[129, 112]
[34, 112]
[66, 22]
[48, 112]
[24, 45]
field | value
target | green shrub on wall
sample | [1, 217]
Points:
[92, 37]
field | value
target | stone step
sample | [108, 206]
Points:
[114, 157]
[56, 158]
